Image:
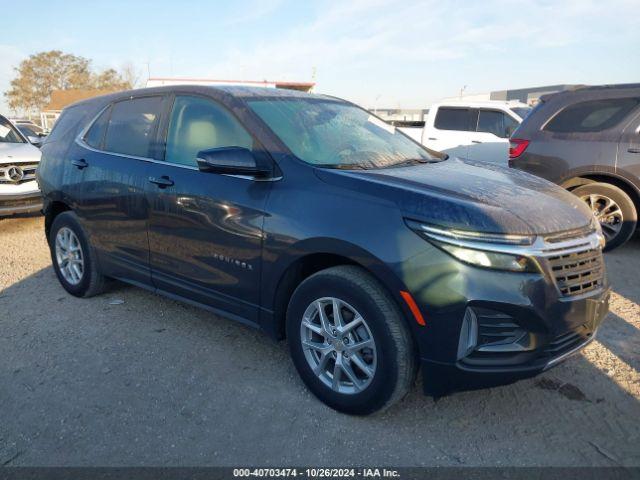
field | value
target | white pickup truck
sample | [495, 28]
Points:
[478, 130]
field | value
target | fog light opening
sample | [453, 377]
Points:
[468, 334]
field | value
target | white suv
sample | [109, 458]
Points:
[476, 130]
[19, 159]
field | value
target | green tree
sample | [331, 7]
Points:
[41, 73]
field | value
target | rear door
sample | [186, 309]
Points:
[450, 131]
[490, 141]
[205, 229]
[628, 163]
[115, 154]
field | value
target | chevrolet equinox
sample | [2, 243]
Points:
[313, 220]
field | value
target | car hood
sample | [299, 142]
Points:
[18, 153]
[473, 196]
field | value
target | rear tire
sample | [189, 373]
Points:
[614, 209]
[384, 370]
[73, 258]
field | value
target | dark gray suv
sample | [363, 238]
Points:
[588, 141]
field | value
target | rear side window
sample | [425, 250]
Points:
[132, 126]
[592, 116]
[453, 119]
[95, 135]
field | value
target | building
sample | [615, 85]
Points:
[300, 86]
[530, 95]
[61, 99]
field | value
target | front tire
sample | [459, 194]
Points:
[613, 208]
[349, 342]
[73, 258]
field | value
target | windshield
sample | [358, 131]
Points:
[522, 112]
[334, 134]
[28, 129]
[8, 133]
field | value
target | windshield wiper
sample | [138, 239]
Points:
[411, 161]
[341, 166]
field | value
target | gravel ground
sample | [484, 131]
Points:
[154, 382]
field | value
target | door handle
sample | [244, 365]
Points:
[633, 150]
[162, 182]
[81, 163]
[476, 141]
[432, 138]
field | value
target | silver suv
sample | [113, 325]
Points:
[19, 159]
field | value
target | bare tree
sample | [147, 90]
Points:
[42, 73]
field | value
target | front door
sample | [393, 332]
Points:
[628, 161]
[490, 141]
[205, 229]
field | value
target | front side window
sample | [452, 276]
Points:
[8, 133]
[335, 134]
[132, 126]
[592, 116]
[198, 124]
[453, 119]
[496, 122]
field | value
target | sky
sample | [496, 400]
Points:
[378, 53]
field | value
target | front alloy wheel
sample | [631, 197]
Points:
[349, 341]
[338, 345]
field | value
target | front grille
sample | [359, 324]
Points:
[578, 272]
[28, 173]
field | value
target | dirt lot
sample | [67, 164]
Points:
[154, 382]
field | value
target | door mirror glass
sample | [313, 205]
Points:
[34, 140]
[230, 160]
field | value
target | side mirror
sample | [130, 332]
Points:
[34, 140]
[230, 160]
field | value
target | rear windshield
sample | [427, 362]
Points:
[592, 116]
[8, 133]
[522, 112]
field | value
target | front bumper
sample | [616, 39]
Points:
[441, 378]
[526, 323]
[20, 203]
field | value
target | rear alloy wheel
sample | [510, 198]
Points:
[69, 256]
[613, 208]
[349, 342]
[73, 258]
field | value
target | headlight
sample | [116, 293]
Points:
[499, 261]
[481, 250]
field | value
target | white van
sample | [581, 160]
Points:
[477, 130]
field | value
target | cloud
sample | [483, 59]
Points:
[252, 11]
[377, 37]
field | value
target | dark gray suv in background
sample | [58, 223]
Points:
[588, 141]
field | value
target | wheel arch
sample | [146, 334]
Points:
[52, 209]
[310, 262]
